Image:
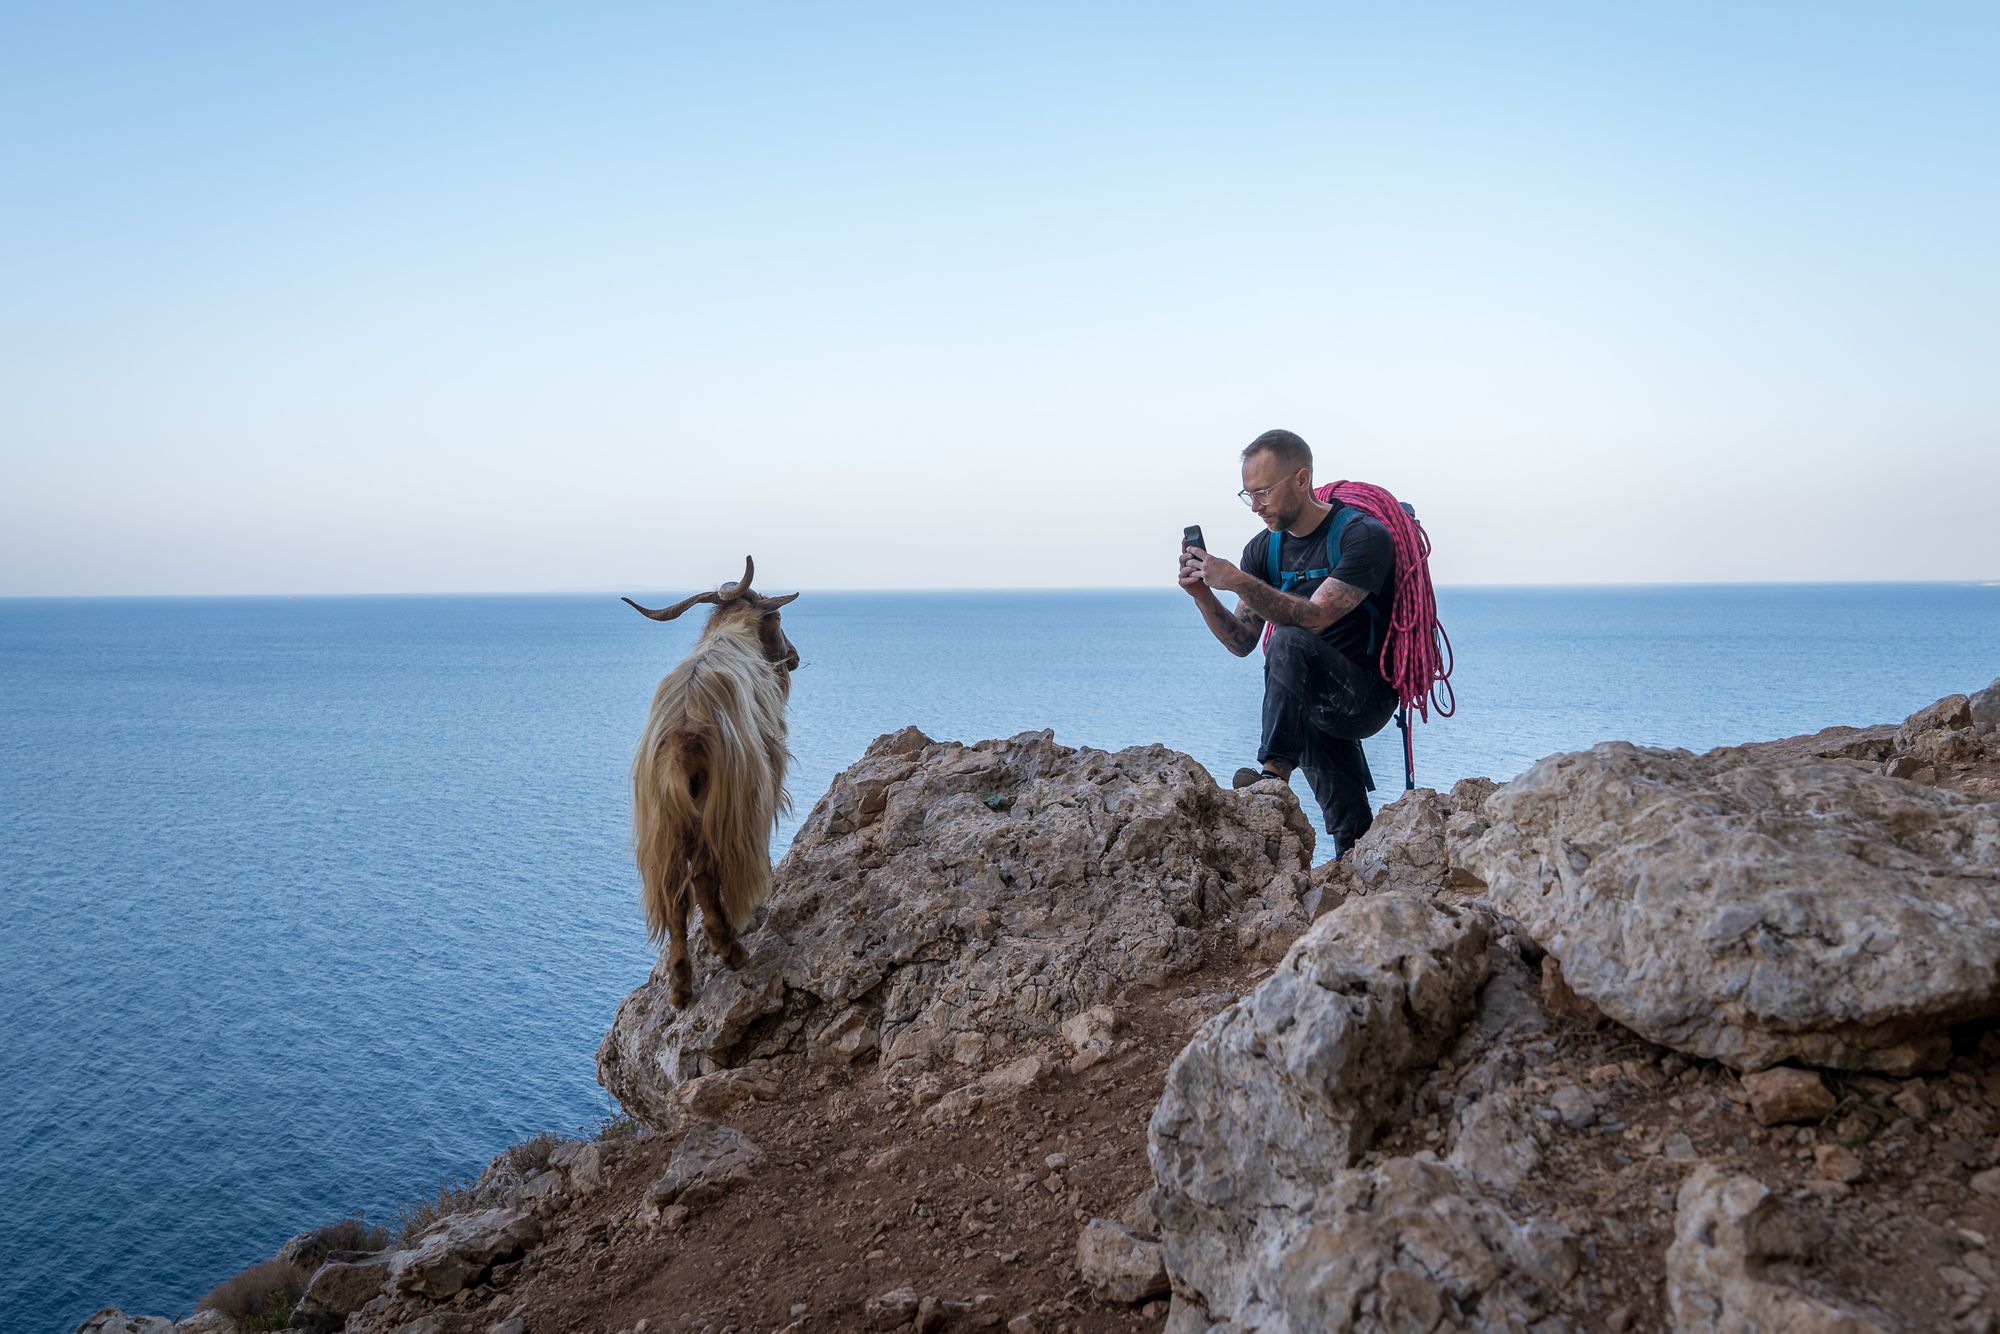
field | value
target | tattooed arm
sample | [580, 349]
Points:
[1258, 602]
[1238, 630]
[1329, 602]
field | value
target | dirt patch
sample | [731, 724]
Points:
[856, 1197]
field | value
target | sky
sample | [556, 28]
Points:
[493, 297]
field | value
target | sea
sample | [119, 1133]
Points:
[311, 904]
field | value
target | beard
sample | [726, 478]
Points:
[1282, 518]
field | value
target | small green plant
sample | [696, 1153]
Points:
[615, 1126]
[277, 1316]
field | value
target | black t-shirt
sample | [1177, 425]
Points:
[1367, 560]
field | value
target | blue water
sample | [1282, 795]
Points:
[312, 903]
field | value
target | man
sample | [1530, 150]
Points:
[1323, 691]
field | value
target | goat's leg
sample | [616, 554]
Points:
[721, 935]
[680, 974]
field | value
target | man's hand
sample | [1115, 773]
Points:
[1200, 575]
[1190, 573]
[1210, 569]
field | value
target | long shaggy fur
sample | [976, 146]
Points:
[708, 781]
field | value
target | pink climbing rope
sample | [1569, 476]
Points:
[1416, 654]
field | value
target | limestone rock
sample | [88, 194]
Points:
[710, 1096]
[209, 1322]
[1400, 1247]
[1984, 708]
[308, 1250]
[340, 1287]
[1279, 1093]
[1119, 1264]
[1836, 1163]
[1405, 847]
[708, 1163]
[458, 1248]
[893, 1309]
[1727, 1267]
[501, 1182]
[914, 910]
[1865, 747]
[1416, 843]
[581, 1161]
[1786, 1094]
[1950, 714]
[111, 1320]
[1091, 1034]
[1138, 1214]
[1754, 912]
[1009, 1081]
[1494, 1143]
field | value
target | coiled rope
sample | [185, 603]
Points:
[1416, 656]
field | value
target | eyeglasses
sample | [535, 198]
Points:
[1251, 498]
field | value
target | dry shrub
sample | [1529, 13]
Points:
[615, 1126]
[453, 1197]
[261, 1297]
[531, 1155]
[352, 1233]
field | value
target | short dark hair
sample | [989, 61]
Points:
[1286, 446]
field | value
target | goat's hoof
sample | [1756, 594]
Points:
[735, 956]
[679, 993]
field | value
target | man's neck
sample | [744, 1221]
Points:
[1311, 517]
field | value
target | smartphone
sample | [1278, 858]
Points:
[1191, 537]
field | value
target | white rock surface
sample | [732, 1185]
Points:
[454, 1251]
[1417, 843]
[1755, 910]
[208, 1322]
[1727, 1270]
[952, 901]
[1405, 1246]
[340, 1287]
[111, 1320]
[1263, 1220]
[709, 1162]
[1119, 1264]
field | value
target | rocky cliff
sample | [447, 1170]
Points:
[1051, 1038]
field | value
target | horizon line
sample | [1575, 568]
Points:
[987, 590]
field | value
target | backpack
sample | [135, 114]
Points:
[1415, 655]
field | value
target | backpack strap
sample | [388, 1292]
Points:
[1373, 602]
[1284, 580]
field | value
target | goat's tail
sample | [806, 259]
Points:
[667, 777]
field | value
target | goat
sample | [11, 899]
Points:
[708, 781]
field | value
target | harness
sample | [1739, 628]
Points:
[1285, 580]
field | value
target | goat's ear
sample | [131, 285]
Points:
[772, 604]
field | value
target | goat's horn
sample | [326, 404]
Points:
[779, 602]
[741, 586]
[669, 613]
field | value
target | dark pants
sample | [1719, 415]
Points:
[1318, 705]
